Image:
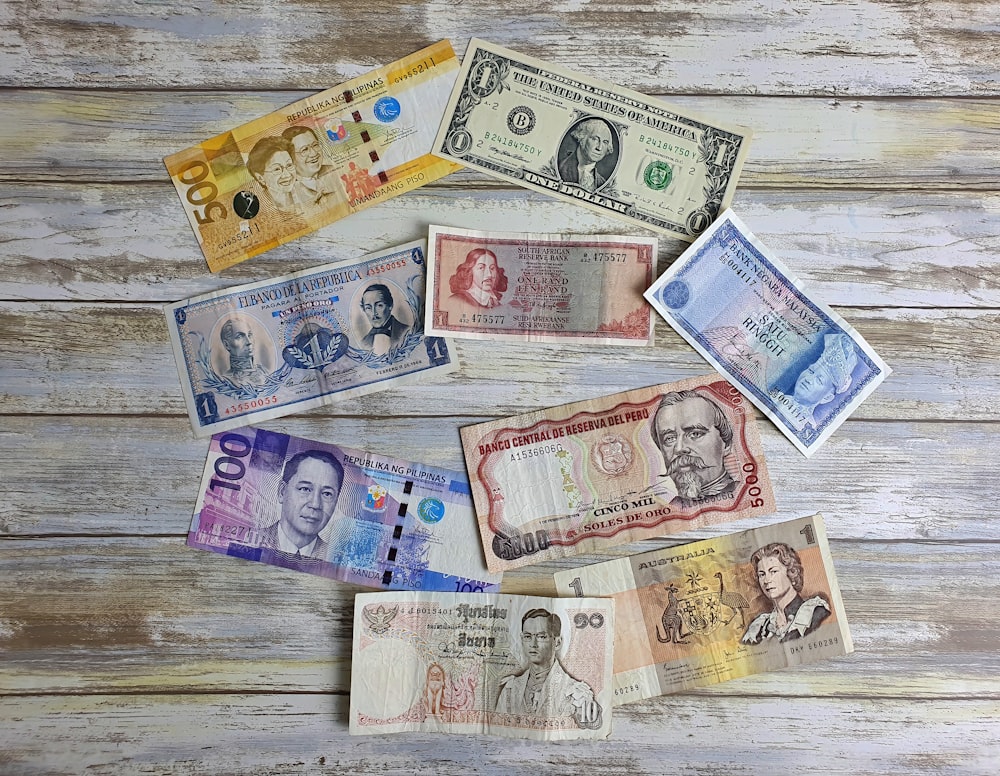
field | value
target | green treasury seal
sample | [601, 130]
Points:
[658, 175]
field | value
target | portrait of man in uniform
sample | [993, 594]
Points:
[237, 338]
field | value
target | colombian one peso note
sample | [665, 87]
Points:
[539, 287]
[317, 160]
[719, 609]
[581, 140]
[803, 365]
[267, 349]
[336, 512]
[593, 474]
[506, 665]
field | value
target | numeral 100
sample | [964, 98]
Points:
[229, 468]
[201, 192]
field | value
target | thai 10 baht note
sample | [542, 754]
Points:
[262, 350]
[337, 512]
[581, 140]
[589, 475]
[506, 665]
[539, 287]
[803, 365]
[719, 609]
[317, 160]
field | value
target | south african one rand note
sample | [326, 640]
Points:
[337, 512]
[597, 473]
[803, 365]
[581, 140]
[539, 287]
[706, 612]
[504, 665]
[267, 349]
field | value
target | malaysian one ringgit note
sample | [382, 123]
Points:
[317, 160]
[539, 287]
[803, 365]
[505, 665]
[581, 140]
[714, 610]
[593, 474]
[337, 512]
[262, 350]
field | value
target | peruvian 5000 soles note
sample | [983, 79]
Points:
[591, 142]
[803, 365]
[506, 665]
[539, 287]
[719, 609]
[593, 474]
[337, 512]
[317, 160]
[267, 349]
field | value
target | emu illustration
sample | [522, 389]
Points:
[672, 622]
[733, 600]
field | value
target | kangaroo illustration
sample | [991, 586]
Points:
[672, 622]
[734, 601]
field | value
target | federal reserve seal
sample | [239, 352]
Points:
[521, 120]
[430, 510]
[658, 175]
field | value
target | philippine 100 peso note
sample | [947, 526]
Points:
[336, 512]
[803, 365]
[719, 609]
[267, 349]
[505, 665]
[613, 150]
[592, 474]
[317, 160]
[539, 287]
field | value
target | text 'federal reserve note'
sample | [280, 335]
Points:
[803, 365]
[337, 512]
[581, 140]
[706, 612]
[267, 349]
[539, 287]
[504, 665]
[593, 474]
[317, 160]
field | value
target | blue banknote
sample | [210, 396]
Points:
[336, 512]
[266, 349]
[803, 365]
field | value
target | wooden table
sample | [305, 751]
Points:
[873, 174]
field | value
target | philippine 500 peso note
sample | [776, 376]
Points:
[506, 665]
[596, 473]
[613, 150]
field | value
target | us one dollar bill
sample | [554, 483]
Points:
[317, 160]
[505, 665]
[262, 350]
[337, 512]
[593, 474]
[714, 610]
[803, 365]
[539, 287]
[581, 140]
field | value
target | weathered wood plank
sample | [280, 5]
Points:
[254, 735]
[115, 358]
[138, 475]
[111, 136]
[131, 242]
[74, 611]
[854, 48]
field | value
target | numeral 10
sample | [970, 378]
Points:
[229, 467]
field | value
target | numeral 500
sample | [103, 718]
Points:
[201, 192]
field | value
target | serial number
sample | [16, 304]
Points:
[415, 70]
[253, 404]
[488, 319]
[824, 643]
[618, 258]
[627, 689]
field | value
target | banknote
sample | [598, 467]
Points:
[317, 160]
[505, 665]
[262, 350]
[539, 287]
[592, 474]
[803, 365]
[337, 512]
[581, 140]
[719, 609]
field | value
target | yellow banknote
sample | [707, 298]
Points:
[317, 160]
[719, 609]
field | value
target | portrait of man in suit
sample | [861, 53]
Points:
[587, 154]
[310, 486]
[386, 330]
[316, 182]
